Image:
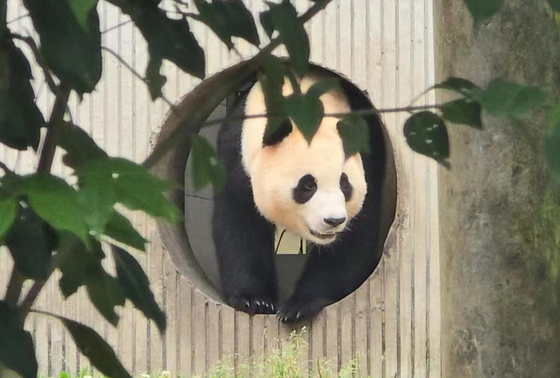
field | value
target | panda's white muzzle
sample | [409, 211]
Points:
[325, 215]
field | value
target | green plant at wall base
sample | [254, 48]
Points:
[284, 363]
[48, 224]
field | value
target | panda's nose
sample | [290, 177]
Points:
[333, 222]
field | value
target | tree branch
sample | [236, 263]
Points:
[45, 165]
[363, 112]
[35, 290]
[18, 18]
[116, 26]
[51, 140]
[30, 298]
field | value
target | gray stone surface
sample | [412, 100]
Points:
[499, 211]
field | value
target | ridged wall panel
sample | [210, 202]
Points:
[392, 322]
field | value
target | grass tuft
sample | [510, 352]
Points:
[285, 363]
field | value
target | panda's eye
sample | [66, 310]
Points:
[305, 189]
[346, 187]
[308, 182]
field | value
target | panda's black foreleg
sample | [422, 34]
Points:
[244, 246]
[332, 272]
[329, 275]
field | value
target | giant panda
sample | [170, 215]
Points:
[310, 189]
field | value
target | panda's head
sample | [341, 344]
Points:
[310, 189]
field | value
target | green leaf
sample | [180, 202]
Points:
[79, 146]
[154, 78]
[70, 40]
[81, 10]
[266, 22]
[229, 18]
[120, 229]
[504, 98]
[55, 201]
[555, 4]
[167, 38]
[105, 292]
[17, 352]
[8, 211]
[307, 112]
[133, 185]
[31, 242]
[285, 20]
[99, 353]
[137, 286]
[483, 9]
[20, 118]
[552, 151]
[76, 262]
[426, 134]
[96, 202]
[272, 81]
[323, 86]
[206, 165]
[459, 85]
[464, 111]
[354, 133]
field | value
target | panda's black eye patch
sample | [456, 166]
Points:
[346, 187]
[305, 189]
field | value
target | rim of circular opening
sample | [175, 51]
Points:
[172, 166]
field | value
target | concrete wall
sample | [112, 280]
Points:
[392, 321]
[499, 211]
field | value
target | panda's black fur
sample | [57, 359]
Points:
[244, 239]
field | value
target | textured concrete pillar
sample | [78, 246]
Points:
[499, 210]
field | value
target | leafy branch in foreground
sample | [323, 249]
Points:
[97, 350]
[48, 224]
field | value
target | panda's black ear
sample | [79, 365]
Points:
[278, 135]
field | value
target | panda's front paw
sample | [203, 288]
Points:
[300, 309]
[253, 305]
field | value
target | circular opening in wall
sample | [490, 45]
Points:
[193, 248]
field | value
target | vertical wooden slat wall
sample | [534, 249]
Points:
[392, 322]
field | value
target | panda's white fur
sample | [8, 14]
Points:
[274, 171]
